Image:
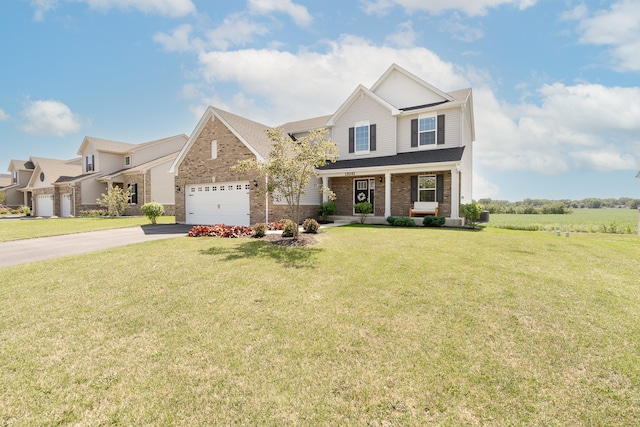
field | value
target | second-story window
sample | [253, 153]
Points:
[14, 177]
[362, 138]
[127, 161]
[427, 131]
[90, 165]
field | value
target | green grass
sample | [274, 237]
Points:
[13, 229]
[615, 221]
[373, 326]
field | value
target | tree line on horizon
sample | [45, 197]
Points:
[563, 206]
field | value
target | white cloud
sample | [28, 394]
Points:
[460, 31]
[582, 127]
[405, 36]
[298, 13]
[50, 118]
[617, 27]
[42, 7]
[4, 116]
[235, 30]
[288, 86]
[171, 8]
[179, 40]
[482, 188]
[469, 7]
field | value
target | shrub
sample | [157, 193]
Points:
[92, 213]
[363, 208]
[289, 228]
[220, 230]
[259, 230]
[433, 221]
[471, 213]
[26, 210]
[115, 201]
[401, 221]
[153, 210]
[275, 225]
[326, 209]
[310, 225]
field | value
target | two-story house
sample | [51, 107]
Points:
[43, 187]
[405, 147]
[20, 172]
[141, 168]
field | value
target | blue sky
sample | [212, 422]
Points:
[556, 82]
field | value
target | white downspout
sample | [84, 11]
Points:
[387, 194]
[325, 184]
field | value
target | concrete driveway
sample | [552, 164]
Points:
[30, 250]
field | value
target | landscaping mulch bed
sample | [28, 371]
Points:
[304, 239]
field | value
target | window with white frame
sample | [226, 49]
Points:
[362, 137]
[427, 188]
[214, 149]
[14, 177]
[89, 164]
[127, 161]
[427, 131]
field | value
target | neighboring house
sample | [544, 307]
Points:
[141, 168]
[405, 146]
[20, 172]
[5, 180]
[48, 197]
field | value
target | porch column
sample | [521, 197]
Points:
[325, 184]
[455, 193]
[387, 194]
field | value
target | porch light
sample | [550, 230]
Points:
[380, 179]
[177, 188]
[255, 183]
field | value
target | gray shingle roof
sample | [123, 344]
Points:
[414, 157]
[253, 132]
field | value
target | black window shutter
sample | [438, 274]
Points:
[440, 188]
[441, 129]
[372, 137]
[351, 140]
[414, 188]
[414, 132]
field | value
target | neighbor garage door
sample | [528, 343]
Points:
[220, 203]
[66, 205]
[44, 205]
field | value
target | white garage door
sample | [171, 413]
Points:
[66, 205]
[219, 203]
[44, 205]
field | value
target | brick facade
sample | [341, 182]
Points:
[343, 187]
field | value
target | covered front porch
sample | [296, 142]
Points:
[393, 190]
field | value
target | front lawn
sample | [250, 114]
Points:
[372, 326]
[16, 229]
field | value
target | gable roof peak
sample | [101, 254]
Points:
[395, 68]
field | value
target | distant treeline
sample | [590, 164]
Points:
[545, 206]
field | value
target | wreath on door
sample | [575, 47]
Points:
[362, 197]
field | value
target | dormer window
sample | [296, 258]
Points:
[127, 161]
[14, 177]
[362, 138]
[89, 163]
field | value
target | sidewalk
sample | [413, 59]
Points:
[42, 248]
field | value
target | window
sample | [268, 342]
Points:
[427, 188]
[214, 149]
[89, 163]
[362, 137]
[127, 161]
[427, 131]
[133, 188]
[14, 177]
[41, 176]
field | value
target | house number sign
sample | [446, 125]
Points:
[349, 174]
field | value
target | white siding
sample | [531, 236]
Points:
[162, 184]
[365, 108]
[312, 196]
[40, 184]
[403, 92]
[155, 151]
[451, 131]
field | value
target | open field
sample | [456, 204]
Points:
[616, 221]
[372, 326]
[16, 229]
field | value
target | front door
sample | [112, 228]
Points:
[363, 190]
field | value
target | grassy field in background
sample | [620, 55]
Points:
[616, 221]
[16, 229]
[372, 326]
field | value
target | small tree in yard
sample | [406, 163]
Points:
[291, 165]
[3, 196]
[363, 208]
[471, 213]
[153, 210]
[115, 201]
